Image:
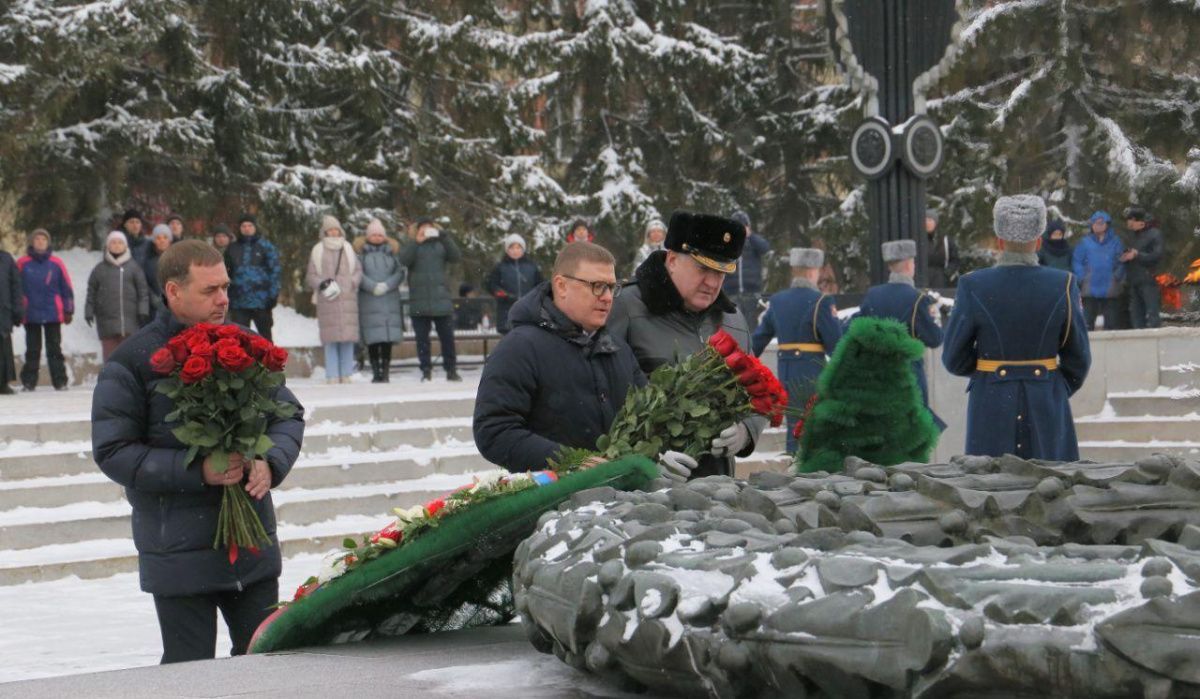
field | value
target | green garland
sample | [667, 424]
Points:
[454, 575]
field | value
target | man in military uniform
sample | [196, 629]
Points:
[675, 304]
[1017, 330]
[900, 300]
[806, 323]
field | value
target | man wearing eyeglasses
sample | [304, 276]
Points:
[674, 306]
[558, 378]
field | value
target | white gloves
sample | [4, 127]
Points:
[380, 289]
[676, 466]
[732, 440]
[332, 291]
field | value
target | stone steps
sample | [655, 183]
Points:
[1147, 430]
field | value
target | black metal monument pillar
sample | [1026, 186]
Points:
[893, 51]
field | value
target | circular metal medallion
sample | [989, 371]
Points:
[871, 148]
[922, 146]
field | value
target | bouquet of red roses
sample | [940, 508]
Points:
[688, 403]
[221, 379]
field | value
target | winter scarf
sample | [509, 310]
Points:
[119, 259]
[318, 252]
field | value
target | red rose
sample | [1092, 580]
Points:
[275, 358]
[762, 406]
[737, 361]
[391, 532]
[195, 369]
[258, 346]
[199, 346]
[179, 348]
[228, 331]
[305, 589]
[435, 506]
[162, 361]
[234, 358]
[723, 343]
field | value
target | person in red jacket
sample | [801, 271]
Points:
[49, 304]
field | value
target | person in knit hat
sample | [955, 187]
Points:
[512, 277]
[49, 304]
[133, 225]
[161, 238]
[1017, 332]
[381, 321]
[427, 256]
[335, 274]
[221, 237]
[652, 240]
[254, 277]
[1056, 250]
[118, 297]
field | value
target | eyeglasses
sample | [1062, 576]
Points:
[598, 288]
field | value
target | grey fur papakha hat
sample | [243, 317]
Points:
[896, 250]
[1020, 218]
[807, 257]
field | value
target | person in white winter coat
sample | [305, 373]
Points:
[656, 233]
[334, 275]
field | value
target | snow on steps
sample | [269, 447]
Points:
[367, 450]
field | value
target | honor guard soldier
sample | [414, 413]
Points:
[675, 304]
[1017, 331]
[900, 300]
[806, 323]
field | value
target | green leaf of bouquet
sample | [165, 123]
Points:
[263, 445]
[349, 543]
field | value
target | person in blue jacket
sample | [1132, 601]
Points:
[1016, 331]
[806, 323]
[900, 300]
[1098, 267]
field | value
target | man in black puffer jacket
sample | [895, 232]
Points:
[558, 378]
[175, 504]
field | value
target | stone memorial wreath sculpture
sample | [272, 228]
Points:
[981, 577]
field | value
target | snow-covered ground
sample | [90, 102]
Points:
[74, 625]
[70, 626]
[291, 329]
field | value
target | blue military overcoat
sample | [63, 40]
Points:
[902, 302]
[1009, 316]
[800, 315]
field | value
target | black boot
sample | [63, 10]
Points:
[452, 375]
[385, 363]
[426, 375]
[373, 353]
[6, 390]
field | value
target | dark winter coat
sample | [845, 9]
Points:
[1019, 312]
[547, 385]
[510, 280]
[650, 316]
[428, 284]
[254, 272]
[1097, 265]
[380, 316]
[174, 511]
[139, 248]
[902, 302]
[49, 295]
[941, 261]
[118, 298]
[1141, 270]
[12, 300]
[1055, 254]
[156, 293]
[801, 314]
[748, 278]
